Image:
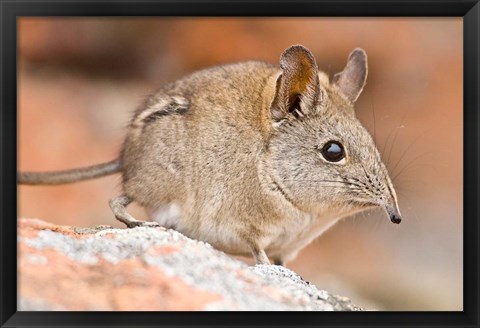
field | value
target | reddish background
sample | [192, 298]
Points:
[80, 80]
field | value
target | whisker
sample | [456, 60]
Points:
[366, 175]
[340, 188]
[382, 151]
[334, 186]
[409, 164]
[408, 148]
[393, 142]
[396, 130]
[374, 123]
[411, 145]
[343, 189]
[329, 181]
[306, 180]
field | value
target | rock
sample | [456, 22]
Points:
[146, 268]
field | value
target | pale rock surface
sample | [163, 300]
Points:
[109, 269]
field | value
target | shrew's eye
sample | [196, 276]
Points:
[333, 151]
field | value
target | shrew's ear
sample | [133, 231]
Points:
[297, 87]
[351, 80]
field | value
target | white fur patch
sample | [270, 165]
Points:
[168, 215]
[323, 78]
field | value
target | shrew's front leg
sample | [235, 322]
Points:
[259, 255]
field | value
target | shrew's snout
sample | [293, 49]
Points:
[395, 218]
[393, 214]
[391, 205]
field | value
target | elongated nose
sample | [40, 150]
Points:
[395, 218]
[393, 214]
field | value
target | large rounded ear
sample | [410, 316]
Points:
[297, 87]
[352, 79]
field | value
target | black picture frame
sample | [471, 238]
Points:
[10, 10]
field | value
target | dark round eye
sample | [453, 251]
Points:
[333, 151]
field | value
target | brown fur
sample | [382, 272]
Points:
[244, 170]
[231, 155]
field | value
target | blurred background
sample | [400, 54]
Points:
[79, 80]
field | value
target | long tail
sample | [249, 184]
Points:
[69, 176]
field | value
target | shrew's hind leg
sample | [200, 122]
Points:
[118, 206]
